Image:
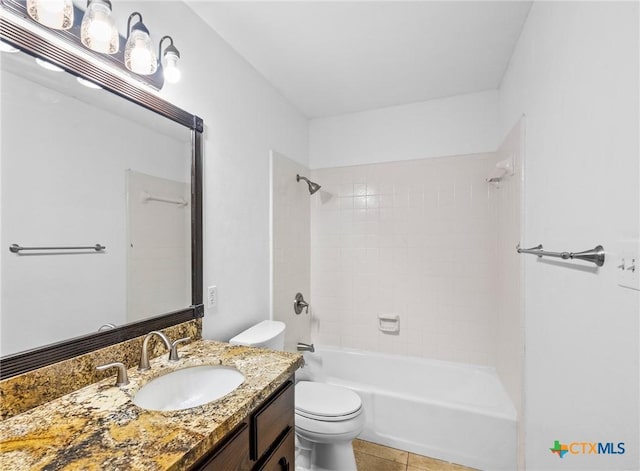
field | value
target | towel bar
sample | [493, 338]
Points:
[595, 255]
[15, 248]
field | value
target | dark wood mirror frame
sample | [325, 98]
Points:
[12, 32]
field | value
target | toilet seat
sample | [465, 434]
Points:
[328, 419]
[326, 402]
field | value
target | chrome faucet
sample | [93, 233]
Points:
[144, 354]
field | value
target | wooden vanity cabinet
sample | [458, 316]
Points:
[264, 441]
[232, 454]
[282, 458]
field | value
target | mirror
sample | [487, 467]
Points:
[89, 168]
[82, 168]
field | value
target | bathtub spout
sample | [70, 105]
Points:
[305, 347]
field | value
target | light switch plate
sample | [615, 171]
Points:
[628, 265]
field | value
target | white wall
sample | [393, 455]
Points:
[244, 118]
[290, 226]
[574, 74]
[457, 125]
[509, 316]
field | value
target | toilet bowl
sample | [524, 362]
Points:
[327, 417]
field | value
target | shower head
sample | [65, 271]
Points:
[313, 187]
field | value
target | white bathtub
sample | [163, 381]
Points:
[451, 411]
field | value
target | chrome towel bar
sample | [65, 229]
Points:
[15, 248]
[595, 255]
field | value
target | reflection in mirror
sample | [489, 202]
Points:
[81, 166]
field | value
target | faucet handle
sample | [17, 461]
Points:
[299, 304]
[122, 379]
[174, 355]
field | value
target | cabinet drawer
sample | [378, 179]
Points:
[282, 459]
[273, 418]
[231, 455]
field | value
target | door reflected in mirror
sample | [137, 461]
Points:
[79, 167]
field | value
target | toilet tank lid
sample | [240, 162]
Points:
[259, 333]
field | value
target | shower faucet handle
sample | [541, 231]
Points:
[299, 304]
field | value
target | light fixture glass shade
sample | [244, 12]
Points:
[56, 14]
[171, 71]
[138, 53]
[98, 31]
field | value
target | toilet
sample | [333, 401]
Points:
[327, 417]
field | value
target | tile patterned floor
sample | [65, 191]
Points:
[374, 457]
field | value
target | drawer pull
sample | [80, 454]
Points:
[284, 464]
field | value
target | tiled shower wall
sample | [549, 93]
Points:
[417, 239]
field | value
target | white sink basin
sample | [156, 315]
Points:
[188, 387]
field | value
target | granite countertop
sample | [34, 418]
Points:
[99, 428]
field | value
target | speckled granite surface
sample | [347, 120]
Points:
[99, 428]
[23, 392]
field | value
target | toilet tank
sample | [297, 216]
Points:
[266, 334]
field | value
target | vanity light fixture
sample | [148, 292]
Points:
[171, 57]
[98, 30]
[138, 52]
[56, 14]
[48, 65]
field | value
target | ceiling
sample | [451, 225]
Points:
[333, 58]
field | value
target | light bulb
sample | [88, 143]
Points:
[142, 59]
[98, 31]
[172, 73]
[138, 53]
[56, 14]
